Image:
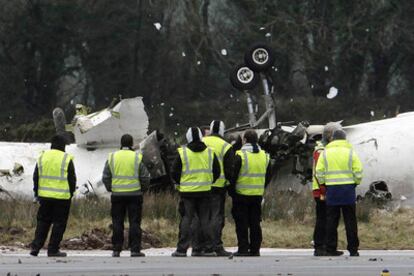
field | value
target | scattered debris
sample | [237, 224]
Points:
[5, 172]
[379, 193]
[18, 169]
[12, 230]
[268, 35]
[99, 238]
[333, 92]
[224, 52]
[19, 261]
[402, 198]
[157, 25]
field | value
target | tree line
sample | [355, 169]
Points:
[177, 55]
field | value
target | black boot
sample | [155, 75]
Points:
[319, 252]
[56, 254]
[34, 252]
[241, 254]
[334, 253]
[179, 254]
[354, 254]
[137, 254]
[196, 253]
[223, 253]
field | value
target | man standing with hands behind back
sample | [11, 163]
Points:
[124, 175]
[252, 173]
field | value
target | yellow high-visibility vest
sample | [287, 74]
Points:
[315, 184]
[252, 176]
[339, 165]
[220, 148]
[53, 174]
[124, 166]
[197, 170]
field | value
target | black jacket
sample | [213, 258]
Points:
[177, 167]
[236, 172]
[71, 180]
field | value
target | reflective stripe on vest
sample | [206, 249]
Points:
[315, 183]
[197, 170]
[220, 148]
[338, 177]
[252, 176]
[124, 165]
[53, 174]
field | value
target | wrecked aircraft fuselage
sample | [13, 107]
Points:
[384, 147]
[96, 135]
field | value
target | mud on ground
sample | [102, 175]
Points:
[97, 238]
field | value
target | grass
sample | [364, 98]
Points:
[288, 221]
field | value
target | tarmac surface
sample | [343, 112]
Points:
[158, 262]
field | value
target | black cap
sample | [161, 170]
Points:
[127, 141]
[58, 142]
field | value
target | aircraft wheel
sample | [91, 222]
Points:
[244, 78]
[259, 57]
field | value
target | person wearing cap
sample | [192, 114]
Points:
[252, 173]
[319, 192]
[124, 174]
[194, 170]
[340, 169]
[224, 152]
[54, 181]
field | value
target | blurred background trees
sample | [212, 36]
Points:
[177, 55]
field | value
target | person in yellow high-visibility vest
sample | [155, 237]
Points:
[252, 173]
[340, 170]
[124, 175]
[193, 171]
[319, 191]
[54, 184]
[225, 153]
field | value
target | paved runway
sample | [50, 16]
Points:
[158, 262]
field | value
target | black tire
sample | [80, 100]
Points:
[244, 78]
[259, 57]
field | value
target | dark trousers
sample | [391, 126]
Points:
[120, 206]
[51, 212]
[333, 213]
[217, 219]
[319, 233]
[196, 239]
[247, 214]
[192, 208]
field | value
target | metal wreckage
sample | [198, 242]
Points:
[384, 146]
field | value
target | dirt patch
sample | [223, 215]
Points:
[12, 230]
[100, 238]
